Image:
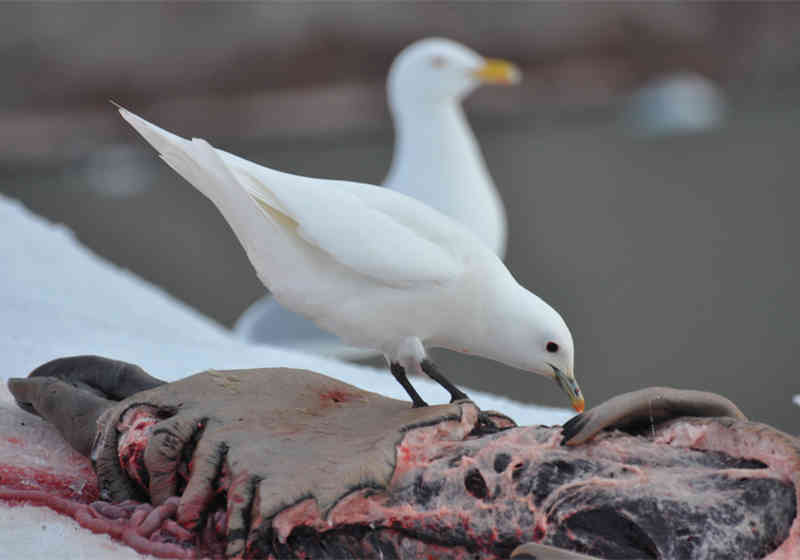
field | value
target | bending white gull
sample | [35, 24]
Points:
[377, 268]
[436, 160]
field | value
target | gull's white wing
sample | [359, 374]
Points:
[424, 220]
[326, 214]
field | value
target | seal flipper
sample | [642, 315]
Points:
[641, 410]
[72, 411]
[110, 379]
[71, 393]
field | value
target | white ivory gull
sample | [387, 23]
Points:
[436, 159]
[376, 267]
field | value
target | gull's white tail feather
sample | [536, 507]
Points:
[199, 163]
[162, 140]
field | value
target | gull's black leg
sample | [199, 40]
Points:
[399, 373]
[433, 372]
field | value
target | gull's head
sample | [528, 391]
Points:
[553, 355]
[435, 70]
[530, 335]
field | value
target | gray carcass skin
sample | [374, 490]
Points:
[290, 463]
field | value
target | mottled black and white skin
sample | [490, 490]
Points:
[217, 455]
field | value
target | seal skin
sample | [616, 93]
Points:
[286, 463]
[300, 417]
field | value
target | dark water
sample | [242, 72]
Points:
[674, 261]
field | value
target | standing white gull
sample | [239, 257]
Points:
[436, 160]
[377, 268]
[436, 157]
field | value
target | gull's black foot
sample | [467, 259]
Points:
[399, 373]
[434, 373]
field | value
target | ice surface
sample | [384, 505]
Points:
[59, 299]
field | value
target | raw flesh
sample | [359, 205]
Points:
[692, 488]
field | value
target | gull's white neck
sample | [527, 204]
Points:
[437, 160]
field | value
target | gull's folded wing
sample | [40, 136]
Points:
[326, 214]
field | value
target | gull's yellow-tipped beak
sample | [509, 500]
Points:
[570, 387]
[497, 71]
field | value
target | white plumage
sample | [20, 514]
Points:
[379, 269]
[436, 160]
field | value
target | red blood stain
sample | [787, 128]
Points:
[135, 427]
[336, 396]
[71, 495]
[81, 488]
[121, 530]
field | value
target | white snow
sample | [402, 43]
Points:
[59, 299]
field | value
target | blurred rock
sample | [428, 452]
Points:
[116, 171]
[676, 104]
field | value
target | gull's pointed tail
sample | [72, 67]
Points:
[199, 163]
[162, 140]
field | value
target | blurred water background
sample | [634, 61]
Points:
[648, 161]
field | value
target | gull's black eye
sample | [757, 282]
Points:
[552, 347]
